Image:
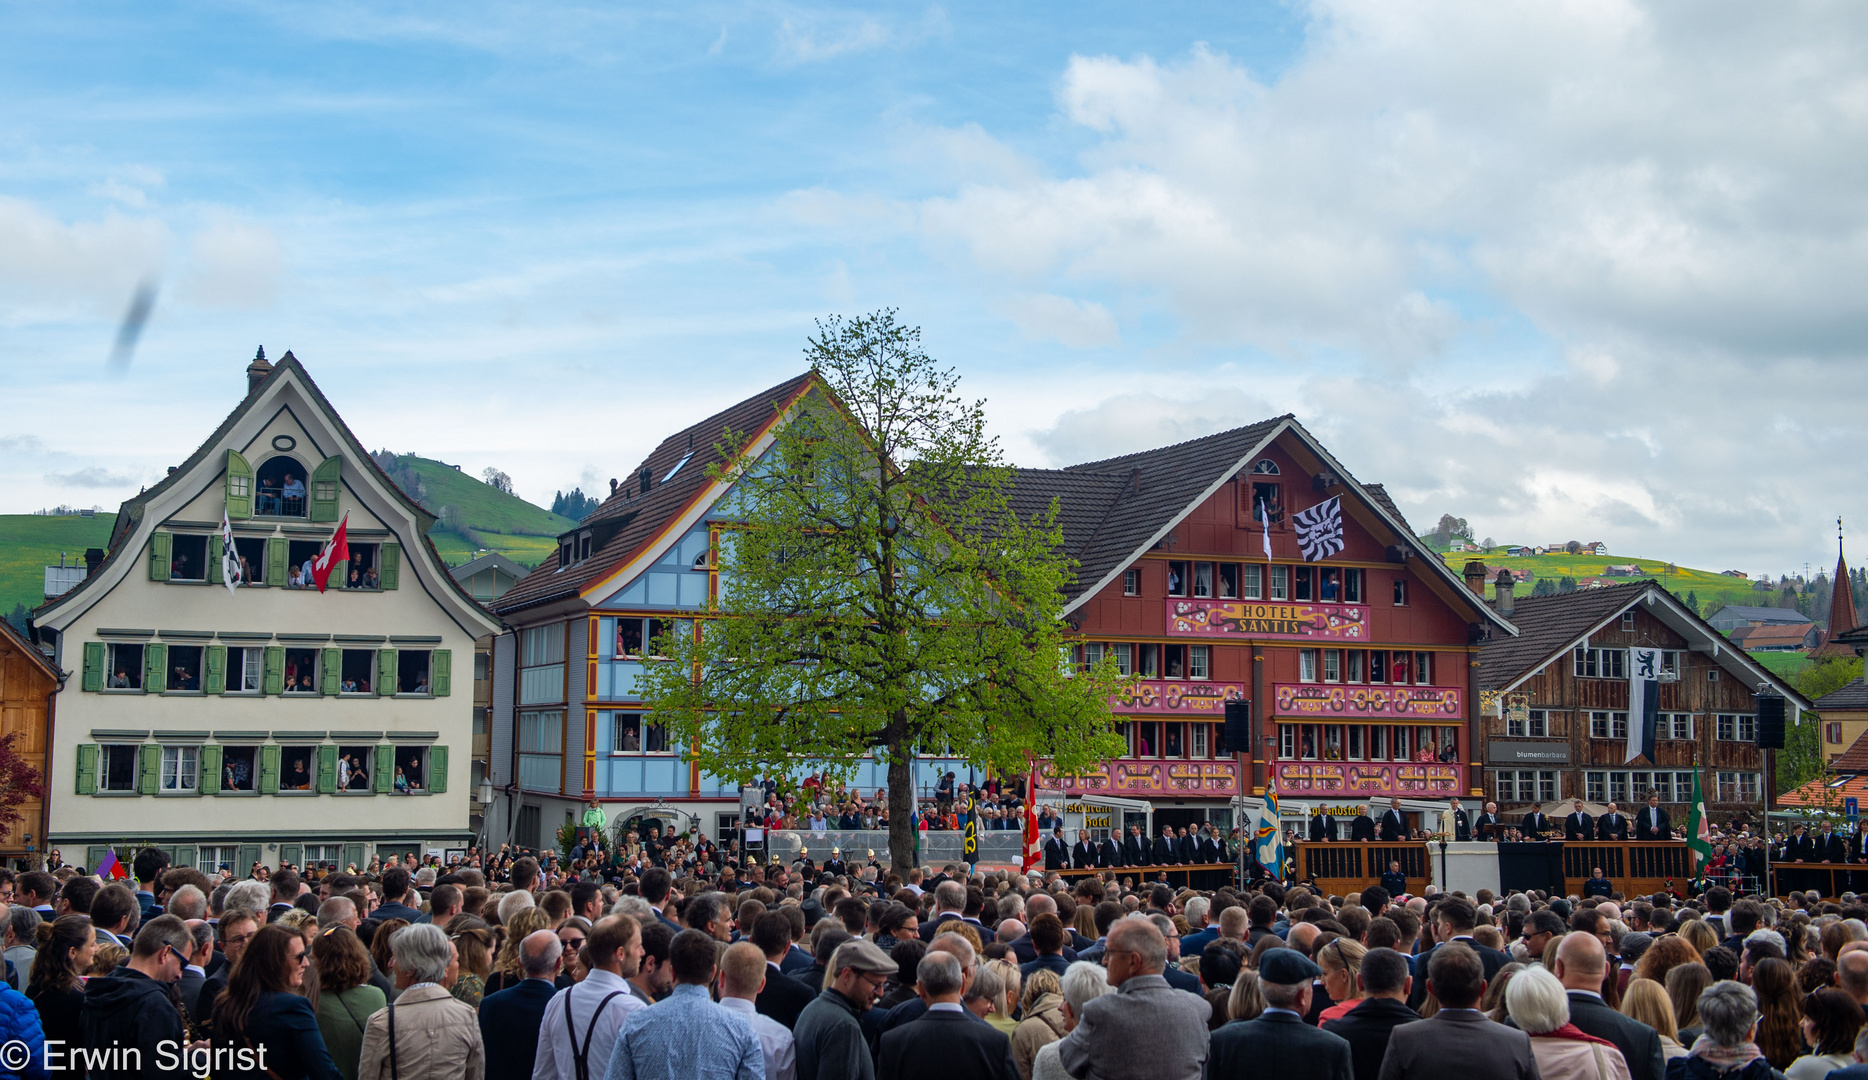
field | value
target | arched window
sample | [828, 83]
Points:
[282, 483]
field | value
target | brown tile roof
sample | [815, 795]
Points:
[629, 520]
[1818, 794]
[1855, 758]
[1764, 637]
[1547, 625]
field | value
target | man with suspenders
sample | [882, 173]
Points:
[582, 1021]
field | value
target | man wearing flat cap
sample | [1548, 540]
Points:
[829, 1034]
[1278, 1043]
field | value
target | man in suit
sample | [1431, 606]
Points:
[1135, 848]
[1799, 847]
[1109, 852]
[1459, 1040]
[1083, 853]
[1187, 850]
[1455, 822]
[1385, 984]
[1362, 826]
[946, 1041]
[1453, 921]
[1578, 826]
[1581, 964]
[949, 904]
[1056, 850]
[1279, 1043]
[782, 997]
[1828, 847]
[1394, 822]
[1651, 823]
[510, 1019]
[1535, 824]
[1487, 825]
[1322, 825]
[1146, 1030]
[1166, 850]
[1612, 825]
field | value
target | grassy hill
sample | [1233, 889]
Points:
[1711, 589]
[475, 514]
[29, 543]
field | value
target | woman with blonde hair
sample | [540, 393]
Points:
[1083, 982]
[1341, 961]
[1647, 1001]
[1248, 998]
[474, 942]
[1042, 1007]
[506, 970]
[1699, 934]
[1008, 995]
[1541, 1009]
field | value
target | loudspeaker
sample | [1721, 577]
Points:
[1770, 722]
[1239, 727]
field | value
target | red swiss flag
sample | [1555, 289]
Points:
[337, 551]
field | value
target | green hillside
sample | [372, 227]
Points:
[1711, 589]
[29, 543]
[475, 515]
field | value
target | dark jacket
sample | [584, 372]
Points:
[1486, 826]
[1578, 826]
[942, 1045]
[1366, 1028]
[1612, 828]
[1458, 1043]
[1692, 1068]
[396, 911]
[1134, 850]
[509, 1023]
[1165, 852]
[1535, 825]
[1056, 853]
[1490, 959]
[1047, 962]
[1281, 1045]
[783, 997]
[1108, 853]
[130, 1009]
[1082, 855]
[1638, 1043]
[61, 1015]
[1642, 831]
[285, 1025]
[829, 1041]
[1362, 827]
[1393, 825]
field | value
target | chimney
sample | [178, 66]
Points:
[645, 478]
[1474, 574]
[257, 371]
[1135, 481]
[612, 487]
[93, 558]
[1502, 598]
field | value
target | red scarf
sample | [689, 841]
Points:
[1571, 1031]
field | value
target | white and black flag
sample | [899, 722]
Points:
[1643, 703]
[1320, 529]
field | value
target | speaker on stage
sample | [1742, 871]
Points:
[1239, 727]
[1770, 722]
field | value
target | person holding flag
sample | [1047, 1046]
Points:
[110, 868]
[232, 573]
[336, 551]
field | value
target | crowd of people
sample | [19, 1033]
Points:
[672, 957]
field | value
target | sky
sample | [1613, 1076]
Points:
[1569, 269]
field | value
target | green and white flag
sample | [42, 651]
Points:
[1698, 829]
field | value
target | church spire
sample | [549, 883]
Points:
[1842, 616]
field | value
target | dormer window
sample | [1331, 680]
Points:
[583, 547]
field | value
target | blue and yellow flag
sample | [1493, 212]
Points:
[1270, 846]
[972, 826]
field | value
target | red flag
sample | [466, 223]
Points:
[110, 868]
[1034, 847]
[337, 551]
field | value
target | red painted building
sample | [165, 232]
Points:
[1359, 661]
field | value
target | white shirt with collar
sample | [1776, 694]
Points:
[781, 1060]
[946, 1006]
[554, 1060]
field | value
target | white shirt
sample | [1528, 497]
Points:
[554, 1061]
[781, 1062]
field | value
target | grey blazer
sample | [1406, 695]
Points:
[1146, 1030]
[1458, 1043]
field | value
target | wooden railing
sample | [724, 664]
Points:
[1340, 867]
[1631, 866]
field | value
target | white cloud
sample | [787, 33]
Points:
[234, 264]
[1131, 422]
[87, 267]
[94, 476]
[1080, 324]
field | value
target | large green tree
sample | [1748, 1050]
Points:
[880, 593]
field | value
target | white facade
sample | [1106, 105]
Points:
[270, 724]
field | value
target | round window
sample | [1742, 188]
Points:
[283, 442]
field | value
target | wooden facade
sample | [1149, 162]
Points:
[28, 683]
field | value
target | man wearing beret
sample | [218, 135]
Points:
[1278, 1043]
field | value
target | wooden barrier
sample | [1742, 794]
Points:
[1632, 867]
[1339, 867]
[1202, 875]
[1829, 879]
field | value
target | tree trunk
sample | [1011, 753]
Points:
[901, 810]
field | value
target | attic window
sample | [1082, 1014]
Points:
[677, 468]
[1265, 467]
[583, 547]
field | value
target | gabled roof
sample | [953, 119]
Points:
[1825, 791]
[492, 560]
[1116, 509]
[628, 522]
[1767, 615]
[1852, 696]
[132, 511]
[1549, 626]
[1775, 634]
[1855, 758]
[33, 656]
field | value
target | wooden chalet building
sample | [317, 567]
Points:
[1359, 666]
[29, 685]
[1555, 704]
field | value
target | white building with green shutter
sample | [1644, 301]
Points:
[273, 723]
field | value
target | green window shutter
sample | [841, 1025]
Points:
[216, 680]
[183, 854]
[385, 672]
[155, 667]
[87, 768]
[390, 558]
[275, 669]
[249, 854]
[93, 856]
[275, 562]
[159, 557]
[329, 668]
[327, 770]
[239, 486]
[340, 574]
[353, 856]
[384, 780]
[93, 665]
[212, 572]
[210, 772]
[324, 487]
[440, 666]
[292, 853]
[269, 770]
[152, 769]
[437, 769]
